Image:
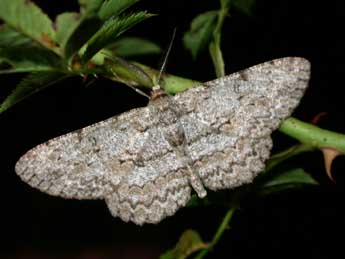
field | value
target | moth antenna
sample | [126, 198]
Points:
[165, 60]
[111, 59]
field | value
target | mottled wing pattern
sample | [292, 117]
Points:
[154, 183]
[145, 162]
[128, 160]
[68, 165]
[230, 119]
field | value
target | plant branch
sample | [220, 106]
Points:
[224, 225]
[312, 135]
[214, 46]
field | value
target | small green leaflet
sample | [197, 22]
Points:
[27, 18]
[133, 46]
[12, 38]
[66, 23]
[85, 29]
[114, 7]
[91, 6]
[200, 33]
[190, 242]
[28, 59]
[279, 181]
[110, 30]
[30, 85]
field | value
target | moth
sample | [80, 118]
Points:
[146, 162]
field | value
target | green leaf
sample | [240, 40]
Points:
[86, 28]
[110, 30]
[66, 23]
[278, 158]
[114, 8]
[30, 85]
[90, 6]
[133, 46]
[274, 182]
[293, 176]
[28, 19]
[200, 33]
[83, 29]
[28, 59]
[12, 38]
[190, 242]
[244, 6]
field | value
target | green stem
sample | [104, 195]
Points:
[214, 47]
[136, 74]
[217, 58]
[312, 135]
[224, 225]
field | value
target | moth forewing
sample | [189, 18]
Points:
[145, 162]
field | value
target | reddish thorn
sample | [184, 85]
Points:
[317, 118]
[329, 154]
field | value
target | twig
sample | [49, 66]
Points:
[224, 225]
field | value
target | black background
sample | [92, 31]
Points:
[308, 222]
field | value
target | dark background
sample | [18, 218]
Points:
[307, 222]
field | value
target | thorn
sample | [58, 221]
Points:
[329, 154]
[317, 117]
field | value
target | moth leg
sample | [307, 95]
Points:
[196, 182]
[177, 139]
